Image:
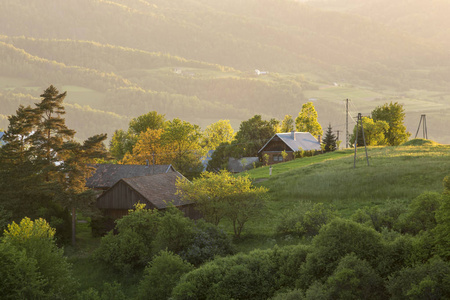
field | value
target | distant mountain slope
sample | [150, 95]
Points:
[270, 34]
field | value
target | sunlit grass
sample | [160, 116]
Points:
[395, 173]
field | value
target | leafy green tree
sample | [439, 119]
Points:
[393, 114]
[307, 120]
[329, 140]
[217, 133]
[121, 143]
[423, 281]
[355, 279]
[287, 125]
[374, 132]
[442, 229]
[421, 213]
[184, 137]
[252, 135]
[150, 120]
[219, 195]
[161, 275]
[336, 240]
[219, 158]
[36, 240]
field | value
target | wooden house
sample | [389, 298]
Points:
[289, 142]
[106, 175]
[155, 191]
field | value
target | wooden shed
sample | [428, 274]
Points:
[156, 191]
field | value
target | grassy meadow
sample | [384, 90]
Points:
[395, 174]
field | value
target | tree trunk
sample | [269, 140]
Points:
[74, 224]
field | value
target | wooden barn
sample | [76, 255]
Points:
[156, 191]
[106, 175]
[289, 142]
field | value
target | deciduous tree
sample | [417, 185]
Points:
[307, 120]
[217, 133]
[287, 125]
[393, 114]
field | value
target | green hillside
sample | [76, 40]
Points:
[397, 174]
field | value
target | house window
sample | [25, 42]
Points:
[277, 158]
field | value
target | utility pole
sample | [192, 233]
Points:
[424, 127]
[346, 124]
[337, 137]
[359, 120]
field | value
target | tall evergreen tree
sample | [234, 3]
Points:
[329, 140]
[42, 168]
[287, 125]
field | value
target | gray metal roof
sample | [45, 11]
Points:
[296, 140]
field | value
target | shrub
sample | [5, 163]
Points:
[424, 281]
[421, 213]
[442, 229]
[306, 220]
[162, 275]
[378, 218]
[36, 240]
[208, 241]
[257, 275]
[336, 240]
[355, 279]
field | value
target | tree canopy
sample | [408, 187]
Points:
[307, 120]
[393, 114]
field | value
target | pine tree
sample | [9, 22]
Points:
[329, 140]
[41, 167]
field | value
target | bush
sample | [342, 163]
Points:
[424, 281]
[143, 233]
[257, 275]
[442, 229]
[355, 279]
[36, 240]
[19, 276]
[379, 218]
[208, 241]
[306, 220]
[421, 213]
[162, 275]
[336, 240]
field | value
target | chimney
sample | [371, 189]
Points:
[293, 135]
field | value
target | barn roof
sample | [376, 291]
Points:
[106, 175]
[158, 190]
[296, 140]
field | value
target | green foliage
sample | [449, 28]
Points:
[150, 120]
[16, 269]
[380, 217]
[219, 158]
[374, 132]
[257, 275]
[307, 120]
[442, 229]
[393, 114]
[287, 125]
[355, 279]
[143, 233]
[423, 281]
[329, 140]
[217, 133]
[208, 241]
[121, 143]
[35, 240]
[219, 195]
[253, 134]
[336, 240]
[421, 213]
[306, 220]
[161, 275]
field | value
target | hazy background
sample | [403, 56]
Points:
[196, 59]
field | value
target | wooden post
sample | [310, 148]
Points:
[74, 225]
